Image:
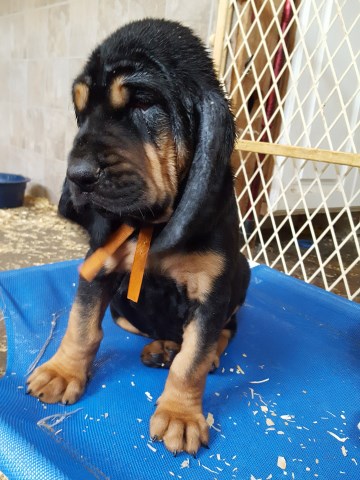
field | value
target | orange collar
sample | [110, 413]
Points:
[92, 265]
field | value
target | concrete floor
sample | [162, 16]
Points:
[34, 235]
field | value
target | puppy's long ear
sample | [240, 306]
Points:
[209, 177]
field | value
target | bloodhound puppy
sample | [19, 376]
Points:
[153, 149]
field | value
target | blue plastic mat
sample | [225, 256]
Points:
[285, 400]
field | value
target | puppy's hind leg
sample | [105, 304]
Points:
[159, 353]
[128, 326]
[225, 337]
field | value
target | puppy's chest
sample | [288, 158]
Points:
[194, 271]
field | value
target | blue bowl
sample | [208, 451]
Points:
[12, 189]
[303, 243]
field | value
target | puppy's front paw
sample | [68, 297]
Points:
[181, 428]
[52, 383]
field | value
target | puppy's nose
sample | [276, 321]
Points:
[84, 173]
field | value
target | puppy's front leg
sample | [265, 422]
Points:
[64, 376]
[178, 419]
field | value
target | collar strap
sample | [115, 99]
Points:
[93, 264]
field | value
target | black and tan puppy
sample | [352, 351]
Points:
[153, 147]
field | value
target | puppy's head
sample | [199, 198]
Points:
[124, 161]
[155, 132]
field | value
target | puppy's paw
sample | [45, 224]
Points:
[53, 383]
[181, 429]
[159, 353]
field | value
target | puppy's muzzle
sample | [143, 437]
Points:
[85, 173]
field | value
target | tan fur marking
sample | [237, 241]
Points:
[197, 271]
[154, 347]
[185, 360]
[168, 161]
[81, 95]
[159, 353]
[119, 94]
[183, 163]
[156, 170]
[129, 327]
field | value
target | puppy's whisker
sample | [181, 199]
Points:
[152, 213]
[141, 213]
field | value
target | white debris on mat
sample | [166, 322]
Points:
[148, 396]
[239, 370]
[327, 411]
[287, 417]
[264, 412]
[260, 381]
[208, 469]
[52, 420]
[281, 462]
[55, 318]
[185, 463]
[340, 439]
[210, 419]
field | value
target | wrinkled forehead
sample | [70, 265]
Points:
[85, 90]
[118, 81]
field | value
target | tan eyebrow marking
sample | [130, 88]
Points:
[80, 95]
[119, 94]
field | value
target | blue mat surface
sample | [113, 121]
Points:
[285, 400]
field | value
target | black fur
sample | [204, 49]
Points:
[173, 89]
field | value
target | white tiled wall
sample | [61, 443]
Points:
[43, 45]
